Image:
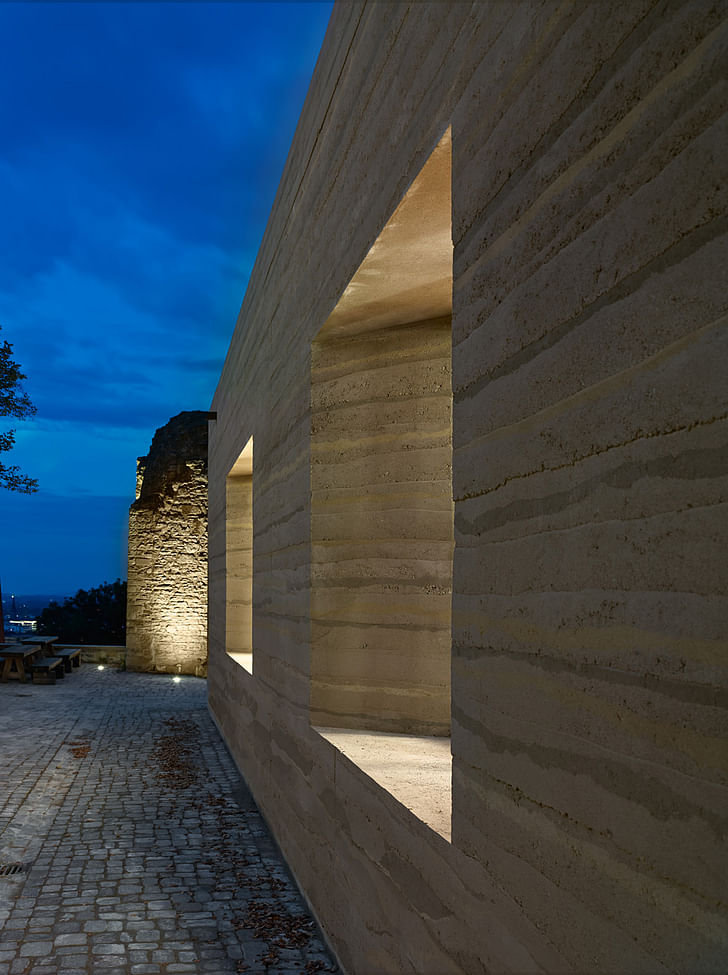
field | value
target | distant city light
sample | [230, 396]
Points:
[21, 626]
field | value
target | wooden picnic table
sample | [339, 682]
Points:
[14, 657]
[20, 660]
[43, 642]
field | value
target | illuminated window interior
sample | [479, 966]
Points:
[381, 504]
[239, 559]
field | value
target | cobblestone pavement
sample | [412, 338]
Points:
[140, 849]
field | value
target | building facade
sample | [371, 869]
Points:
[467, 485]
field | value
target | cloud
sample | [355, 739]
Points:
[129, 339]
[142, 148]
[75, 458]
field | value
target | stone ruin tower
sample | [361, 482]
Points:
[167, 583]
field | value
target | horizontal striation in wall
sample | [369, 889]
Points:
[402, 880]
[589, 434]
[590, 408]
[381, 529]
[239, 565]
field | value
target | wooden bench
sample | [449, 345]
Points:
[71, 657]
[44, 670]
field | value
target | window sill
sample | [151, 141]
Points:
[417, 771]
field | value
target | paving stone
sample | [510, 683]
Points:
[79, 938]
[35, 948]
[138, 955]
[15, 922]
[102, 924]
[146, 854]
[106, 938]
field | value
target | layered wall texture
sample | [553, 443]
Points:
[239, 558]
[564, 610]
[166, 626]
[381, 529]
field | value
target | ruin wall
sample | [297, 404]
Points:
[167, 578]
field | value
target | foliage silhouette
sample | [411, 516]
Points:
[13, 402]
[93, 616]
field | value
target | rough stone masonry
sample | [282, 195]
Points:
[167, 588]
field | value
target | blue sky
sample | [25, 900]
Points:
[142, 146]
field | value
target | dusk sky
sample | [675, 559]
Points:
[142, 145]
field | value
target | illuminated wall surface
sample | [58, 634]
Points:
[482, 355]
[167, 580]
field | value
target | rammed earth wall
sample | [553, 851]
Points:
[586, 246]
[167, 580]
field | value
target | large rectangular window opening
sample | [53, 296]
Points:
[381, 502]
[239, 559]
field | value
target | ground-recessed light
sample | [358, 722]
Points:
[176, 679]
[100, 667]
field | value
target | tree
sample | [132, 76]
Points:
[93, 616]
[13, 402]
